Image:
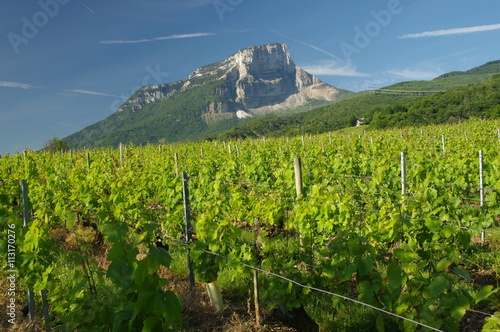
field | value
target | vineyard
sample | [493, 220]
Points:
[399, 228]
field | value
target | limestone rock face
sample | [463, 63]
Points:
[150, 94]
[258, 79]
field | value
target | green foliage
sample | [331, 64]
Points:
[335, 116]
[480, 100]
[129, 295]
[351, 233]
[55, 145]
[492, 323]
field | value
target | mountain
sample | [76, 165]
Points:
[254, 81]
[365, 104]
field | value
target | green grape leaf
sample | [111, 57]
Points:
[437, 287]
[380, 323]
[443, 264]
[462, 273]
[459, 307]
[367, 291]
[484, 293]
[464, 238]
[434, 225]
[160, 255]
[394, 274]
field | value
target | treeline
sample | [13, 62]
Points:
[478, 100]
[332, 117]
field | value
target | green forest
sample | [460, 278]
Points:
[478, 100]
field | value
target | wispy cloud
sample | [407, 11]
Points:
[84, 5]
[456, 31]
[90, 92]
[66, 124]
[308, 45]
[334, 68]
[17, 85]
[415, 74]
[194, 3]
[147, 40]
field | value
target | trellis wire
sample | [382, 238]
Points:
[310, 287]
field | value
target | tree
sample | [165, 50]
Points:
[55, 145]
[352, 120]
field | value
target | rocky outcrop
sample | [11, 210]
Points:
[150, 94]
[258, 79]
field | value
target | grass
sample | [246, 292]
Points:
[354, 130]
[345, 316]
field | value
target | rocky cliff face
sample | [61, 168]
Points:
[151, 94]
[258, 79]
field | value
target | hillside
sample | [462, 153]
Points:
[477, 100]
[173, 119]
[366, 103]
[328, 118]
[447, 81]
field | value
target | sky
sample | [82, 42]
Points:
[66, 64]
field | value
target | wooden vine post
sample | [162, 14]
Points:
[481, 190]
[297, 163]
[45, 310]
[88, 160]
[187, 219]
[403, 176]
[258, 318]
[298, 187]
[256, 296]
[26, 220]
[121, 153]
[176, 161]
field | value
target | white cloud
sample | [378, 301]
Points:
[84, 5]
[334, 68]
[367, 84]
[455, 31]
[415, 74]
[17, 85]
[195, 3]
[307, 44]
[66, 124]
[91, 93]
[146, 40]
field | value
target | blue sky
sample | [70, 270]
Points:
[66, 64]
